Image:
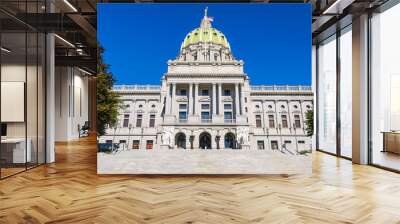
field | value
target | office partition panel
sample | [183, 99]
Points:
[327, 95]
[385, 89]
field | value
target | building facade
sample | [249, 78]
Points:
[206, 101]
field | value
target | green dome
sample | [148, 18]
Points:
[205, 35]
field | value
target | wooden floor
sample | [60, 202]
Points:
[70, 191]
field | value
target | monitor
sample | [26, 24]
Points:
[3, 129]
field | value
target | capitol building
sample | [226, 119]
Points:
[206, 101]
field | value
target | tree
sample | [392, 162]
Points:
[108, 102]
[310, 122]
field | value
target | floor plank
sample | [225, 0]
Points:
[70, 191]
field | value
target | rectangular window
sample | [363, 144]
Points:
[288, 142]
[205, 115]
[152, 120]
[228, 106]
[183, 92]
[122, 141]
[228, 115]
[284, 121]
[260, 144]
[139, 120]
[182, 106]
[135, 144]
[258, 121]
[327, 95]
[126, 121]
[345, 83]
[205, 106]
[274, 145]
[109, 141]
[301, 142]
[204, 92]
[182, 116]
[297, 123]
[227, 92]
[149, 144]
[271, 121]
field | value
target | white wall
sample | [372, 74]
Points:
[71, 102]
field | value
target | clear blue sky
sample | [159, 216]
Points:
[274, 40]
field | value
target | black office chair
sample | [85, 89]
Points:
[84, 130]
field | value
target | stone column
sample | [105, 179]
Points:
[196, 98]
[168, 100]
[237, 110]
[190, 99]
[220, 103]
[173, 99]
[242, 103]
[214, 100]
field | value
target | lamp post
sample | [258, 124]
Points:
[129, 135]
[115, 130]
[280, 134]
[295, 137]
[141, 136]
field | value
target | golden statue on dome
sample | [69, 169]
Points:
[206, 21]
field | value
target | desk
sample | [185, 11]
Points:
[13, 150]
[391, 142]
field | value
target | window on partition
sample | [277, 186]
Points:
[205, 115]
[109, 141]
[227, 92]
[301, 142]
[271, 121]
[205, 106]
[228, 115]
[274, 145]
[284, 121]
[258, 121]
[182, 92]
[346, 92]
[297, 122]
[385, 88]
[204, 92]
[182, 106]
[126, 121]
[152, 120]
[228, 106]
[139, 120]
[260, 145]
[149, 144]
[122, 141]
[182, 115]
[135, 144]
[327, 95]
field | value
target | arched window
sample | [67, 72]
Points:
[229, 141]
[180, 140]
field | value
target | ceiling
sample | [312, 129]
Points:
[75, 21]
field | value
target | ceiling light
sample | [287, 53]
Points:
[64, 40]
[337, 7]
[5, 50]
[70, 5]
[86, 72]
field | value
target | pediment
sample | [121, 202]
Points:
[181, 99]
[204, 99]
[227, 100]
